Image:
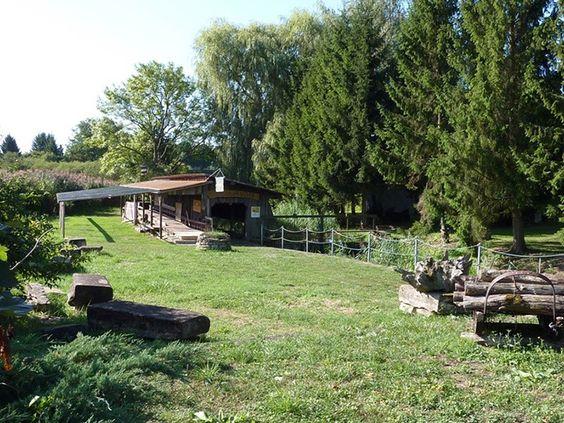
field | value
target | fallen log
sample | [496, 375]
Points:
[479, 288]
[516, 303]
[489, 275]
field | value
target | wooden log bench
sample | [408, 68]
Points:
[147, 321]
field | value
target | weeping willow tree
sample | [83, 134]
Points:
[248, 74]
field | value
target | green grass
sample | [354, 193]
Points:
[294, 337]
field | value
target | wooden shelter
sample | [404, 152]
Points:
[199, 201]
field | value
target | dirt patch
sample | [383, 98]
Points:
[465, 374]
[318, 303]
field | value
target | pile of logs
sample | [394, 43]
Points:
[523, 293]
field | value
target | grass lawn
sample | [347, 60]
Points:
[294, 337]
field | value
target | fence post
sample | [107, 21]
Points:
[415, 252]
[332, 241]
[261, 233]
[479, 258]
[540, 264]
[282, 237]
[369, 245]
[307, 239]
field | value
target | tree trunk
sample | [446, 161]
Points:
[518, 246]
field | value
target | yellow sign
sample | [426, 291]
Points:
[196, 205]
[255, 212]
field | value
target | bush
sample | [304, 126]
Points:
[290, 207]
[111, 377]
[38, 188]
[14, 162]
[21, 225]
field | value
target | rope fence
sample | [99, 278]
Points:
[382, 248]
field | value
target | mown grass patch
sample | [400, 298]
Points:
[294, 337]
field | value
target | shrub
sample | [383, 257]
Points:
[111, 377]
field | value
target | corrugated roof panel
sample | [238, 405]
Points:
[95, 193]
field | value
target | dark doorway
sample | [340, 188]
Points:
[230, 218]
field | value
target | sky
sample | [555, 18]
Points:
[58, 56]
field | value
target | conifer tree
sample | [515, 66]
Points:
[414, 130]
[331, 123]
[499, 117]
[45, 143]
[9, 145]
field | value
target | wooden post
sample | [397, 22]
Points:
[121, 206]
[282, 237]
[332, 241]
[415, 252]
[479, 258]
[151, 199]
[261, 233]
[369, 242]
[160, 216]
[135, 211]
[62, 218]
[307, 240]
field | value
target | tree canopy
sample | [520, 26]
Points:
[81, 147]
[46, 144]
[147, 118]
[9, 145]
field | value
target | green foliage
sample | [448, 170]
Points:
[81, 147]
[330, 125]
[249, 73]
[39, 187]
[147, 117]
[45, 144]
[105, 378]
[25, 230]
[9, 145]
[40, 162]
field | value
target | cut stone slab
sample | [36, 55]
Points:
[413, 301]
[147, 321]
[77, 242]
[37, 295]
[89, 289]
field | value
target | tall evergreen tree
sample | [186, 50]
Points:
[9, 145]
[331, 123]
[416, 128]
[45, 143]
[500, 120]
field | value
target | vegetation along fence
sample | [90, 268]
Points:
[380, 247]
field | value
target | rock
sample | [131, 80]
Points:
[147, 321]
[413, 301]
[64, 332]
[37, 295]
[214, 241]
[431, 275]
[76, 242]
[89, 289]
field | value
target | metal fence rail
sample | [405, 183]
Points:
[382, 248]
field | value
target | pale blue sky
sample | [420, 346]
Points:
[59, 55]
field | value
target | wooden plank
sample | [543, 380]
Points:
[235, 194]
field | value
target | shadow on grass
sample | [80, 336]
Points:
[106, 235]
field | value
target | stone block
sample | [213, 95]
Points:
[147, 321]
[89, 289]
[425, 303]
[76, 242]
